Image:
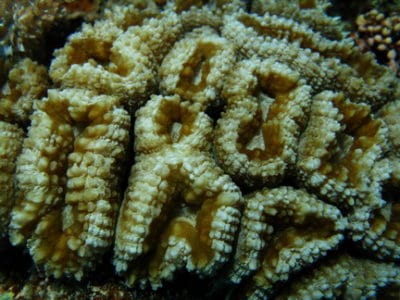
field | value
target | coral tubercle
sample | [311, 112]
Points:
[263, 148]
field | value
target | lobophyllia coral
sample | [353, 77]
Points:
[282, 231]
[38, 26]
[376, 227]
[325, 63]
[104, 58]
[345, 277]
[196, 66]
[256, 136]
[27, 81]
[180, 210]
[339, 148]
[68, 179]
[312, 12]
[265, 148]
[390, 113]
[10, 145]
[374, 223]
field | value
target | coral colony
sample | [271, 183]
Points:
[264, 148]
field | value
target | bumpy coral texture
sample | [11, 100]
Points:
[346, 277]
[256, 137]
[282, 231]
[27, 81]
[30, 33]
[265, 152]
[68, 179]
[179, 204]
[10, 145]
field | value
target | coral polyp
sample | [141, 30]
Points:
[248, 144]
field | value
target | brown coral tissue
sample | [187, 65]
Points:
[247, 147]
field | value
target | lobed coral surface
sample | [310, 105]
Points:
[263, 150]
